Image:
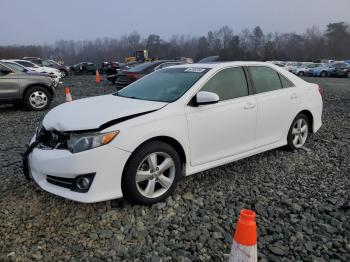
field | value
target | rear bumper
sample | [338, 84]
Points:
[106, 163]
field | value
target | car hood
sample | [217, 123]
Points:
[95, 112]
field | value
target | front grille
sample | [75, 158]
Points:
[53, 139]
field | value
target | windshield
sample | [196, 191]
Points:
[166, 85]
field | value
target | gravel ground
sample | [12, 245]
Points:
[302, 201]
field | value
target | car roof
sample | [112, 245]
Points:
[224, 64]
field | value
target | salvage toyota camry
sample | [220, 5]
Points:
[139, 142]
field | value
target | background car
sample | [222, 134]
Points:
[84, 68]
[323, 70]
[112, 73]
[35, 92]
[209, 59]
[300, 69]
[65, 70]
[341, 69]
[18, 67]
[294, 65]
[126, 77]
[35, 67]
[290, 65]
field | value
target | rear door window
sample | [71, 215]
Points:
[264, 79]
[228, 84]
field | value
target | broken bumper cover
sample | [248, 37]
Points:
[105, 162]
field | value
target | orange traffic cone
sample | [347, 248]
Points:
[98, 78]
[244, 247]
[68, 95]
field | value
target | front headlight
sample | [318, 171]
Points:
[82, 142]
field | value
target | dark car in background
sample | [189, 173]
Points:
[84, 68]
[112, 71]
[33, 91]
[341, 69]
[65, 70]
[128, 76]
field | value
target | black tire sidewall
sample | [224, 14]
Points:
[290, 145]
[129, 187]
[32, 89]
[324, 74]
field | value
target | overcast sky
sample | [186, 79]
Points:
[45, 21]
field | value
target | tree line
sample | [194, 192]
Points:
[332, 43]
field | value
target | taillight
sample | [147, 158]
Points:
[132, 75]
[320, 90]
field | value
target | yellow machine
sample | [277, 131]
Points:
[139, 56]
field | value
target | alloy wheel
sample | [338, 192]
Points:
[300, 132]
[38, 99]
[155, 174]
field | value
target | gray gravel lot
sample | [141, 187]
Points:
[302, 200]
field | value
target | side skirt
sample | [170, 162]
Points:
[190, 170]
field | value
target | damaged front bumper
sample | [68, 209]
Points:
[57, 170]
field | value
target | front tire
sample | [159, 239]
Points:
[324, 74]
[37, 98]
[298, 132]
[301, 73]
[151, 174]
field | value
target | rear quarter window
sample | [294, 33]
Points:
[285, 82]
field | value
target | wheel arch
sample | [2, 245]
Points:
[170, 141]
[38, 84]
[310, 117]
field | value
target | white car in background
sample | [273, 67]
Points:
[139, 142]
[21, 68]
[304, 68]
[301, 65]
[36, 68]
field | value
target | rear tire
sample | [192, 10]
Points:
[301, 73]
[298, 132]
[37, 98]
[348, 75]
[151, 174]
[324, 74]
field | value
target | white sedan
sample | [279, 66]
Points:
[138, 143]
[39, 69]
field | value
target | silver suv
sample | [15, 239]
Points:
[33, 91]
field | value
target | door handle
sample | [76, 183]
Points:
[249, 105]
[294, 96]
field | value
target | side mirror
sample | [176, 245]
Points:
[206, 98]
